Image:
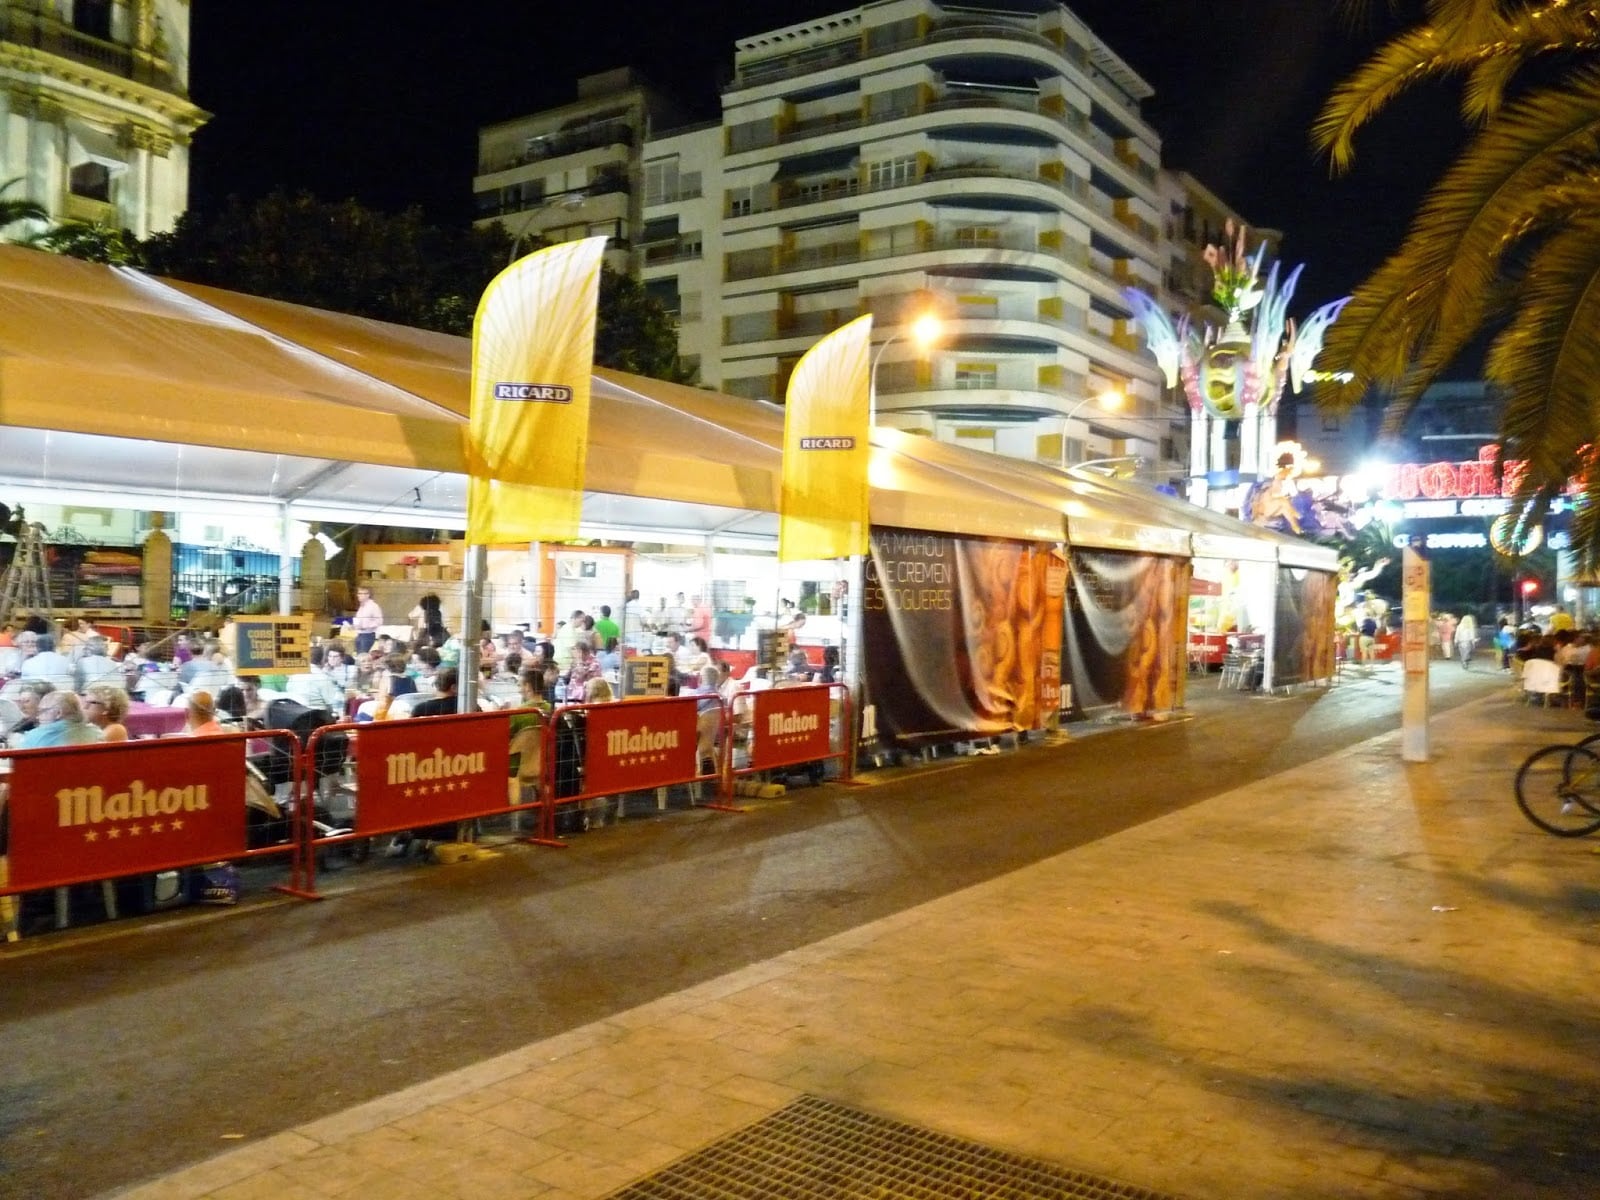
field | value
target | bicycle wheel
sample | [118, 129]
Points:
[1558, 789]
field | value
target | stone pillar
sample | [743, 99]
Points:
[156, 578]
[314, 573]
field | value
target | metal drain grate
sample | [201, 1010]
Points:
[816, 1150]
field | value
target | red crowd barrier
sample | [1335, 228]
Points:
[635, 745]
[424, 771]
[78, 814]
[787, 726]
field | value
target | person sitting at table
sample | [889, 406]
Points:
[388, 685]
[797, 669]
[61, 723]
[208, 671]
[96, 666]
[531, 689]
[830, 666]
[138, 662]
[313, 688]
[105, 706]
[427, 613]
[585, 666]
[445, 702]
[611, 656]
[75, 635]
[597, 691]
[200, 715]
[336, 667]
[27, 696]
[45, 663]
[693, 658]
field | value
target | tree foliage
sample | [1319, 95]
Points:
[14, 209]
[348, 258]
[1506, 243]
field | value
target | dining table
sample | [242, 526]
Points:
[150, 720]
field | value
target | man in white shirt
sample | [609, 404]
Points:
[314, 689]
[55, 669]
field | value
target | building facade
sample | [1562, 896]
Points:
[95, 119]
[573, 171]
[989, 166]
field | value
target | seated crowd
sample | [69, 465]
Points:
[86, 691]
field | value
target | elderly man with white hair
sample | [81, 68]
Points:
[96, 666]
[49, 665]
[61, 723]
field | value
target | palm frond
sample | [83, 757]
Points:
[1540, 30]
[1412, 58]
[1546, 361]
[1442, 283]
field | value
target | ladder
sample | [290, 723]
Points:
[25, 584]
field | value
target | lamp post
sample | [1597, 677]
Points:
[567, 200]
[1109, 400]
[924, 331]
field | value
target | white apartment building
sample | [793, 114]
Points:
[904, 157]
[987, 165]
[95, 118]
[573, 171]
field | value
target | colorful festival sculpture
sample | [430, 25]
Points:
[1236, 374]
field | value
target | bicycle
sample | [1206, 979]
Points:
[1558, 788]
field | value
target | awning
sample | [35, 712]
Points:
[113, 383]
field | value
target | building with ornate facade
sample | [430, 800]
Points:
[95, 117]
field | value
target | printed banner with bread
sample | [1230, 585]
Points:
[1302, 632]
[1124, 635]
[954, 630]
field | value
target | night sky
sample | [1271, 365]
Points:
[380, 100]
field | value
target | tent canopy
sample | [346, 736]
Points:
[119, 386]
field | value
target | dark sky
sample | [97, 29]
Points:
[380, 100]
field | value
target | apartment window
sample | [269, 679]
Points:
[752, 135]
[92, 17]
[896, 102]
[661, 181]
[91, 180]
[894, 172]
[976, 235]
[741, 201]
[973, 376]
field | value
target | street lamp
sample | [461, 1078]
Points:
[567, 200]
[1109, 400]
[924, 330]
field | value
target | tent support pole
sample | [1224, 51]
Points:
[286, 552]
[477, 566]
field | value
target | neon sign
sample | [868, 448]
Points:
[1487, 477]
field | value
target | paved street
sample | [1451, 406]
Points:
[1246, 954]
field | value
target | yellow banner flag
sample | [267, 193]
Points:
[826, 448]
[532, 363]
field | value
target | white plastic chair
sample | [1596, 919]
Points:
[1541, 679]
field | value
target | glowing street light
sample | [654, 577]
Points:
[567, 200]
[924, 330]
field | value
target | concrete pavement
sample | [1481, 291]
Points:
[1360, 978]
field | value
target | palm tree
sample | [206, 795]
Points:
[1507, 242]
[13, 211]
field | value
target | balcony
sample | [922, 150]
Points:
[768, 261]
[559, 145]
[45, 33]
[842, 53]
